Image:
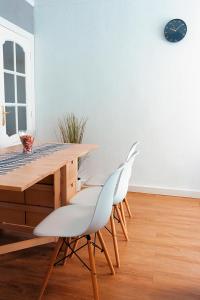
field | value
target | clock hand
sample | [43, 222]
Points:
[173, 29]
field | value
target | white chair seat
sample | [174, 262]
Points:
[88, 196]
[67, 221]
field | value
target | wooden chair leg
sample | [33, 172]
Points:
[103, 245]
[51, 264]
[114, 236]
[121, 223]
[122, 213]
[93, 269]
[128, 207]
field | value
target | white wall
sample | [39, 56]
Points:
[108, 60]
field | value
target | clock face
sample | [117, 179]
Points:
[175, 30]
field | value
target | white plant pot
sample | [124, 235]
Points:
[78, 184]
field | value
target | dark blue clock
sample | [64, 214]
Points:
[175, 30]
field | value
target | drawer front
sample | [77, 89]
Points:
[12, 216]
[40, 195]
[11, 196]
[72, 169]
[34, 218]
[71, 189]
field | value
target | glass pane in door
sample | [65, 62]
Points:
[10, 120]
[20, 59]
[22, 123]
[21, 89]
[8, 56]
[9, 87]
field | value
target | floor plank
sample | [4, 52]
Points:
[160, 262]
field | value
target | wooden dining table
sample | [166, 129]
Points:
[29, 193]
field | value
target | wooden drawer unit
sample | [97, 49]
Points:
[71, 178]
[11, 196]
[10, 215]
[35, 203]
[40, 195]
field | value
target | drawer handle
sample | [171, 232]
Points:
[72, 184]
[72, 162]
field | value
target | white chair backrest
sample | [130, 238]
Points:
[105, 202]
[132, 150]
[122, 187]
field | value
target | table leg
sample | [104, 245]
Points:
[57, 189]
[63, 183]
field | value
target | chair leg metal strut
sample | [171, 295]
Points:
[70, 246]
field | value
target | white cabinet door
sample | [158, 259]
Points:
[16, 86]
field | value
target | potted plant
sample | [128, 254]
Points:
[71, 130]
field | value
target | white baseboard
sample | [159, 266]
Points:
[165, 191]
[158, 190]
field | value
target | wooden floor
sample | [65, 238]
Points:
[160, 262]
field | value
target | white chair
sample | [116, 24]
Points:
[81, 221]
[119, 196]
[125, 201]
[132, 150]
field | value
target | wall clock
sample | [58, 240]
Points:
[175, 30]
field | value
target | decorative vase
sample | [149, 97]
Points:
[78, 184]
[27, 142]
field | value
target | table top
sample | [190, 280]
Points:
[23, 177]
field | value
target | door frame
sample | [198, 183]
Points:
[11, 26]
[30, 38]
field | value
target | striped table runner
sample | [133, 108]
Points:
[14, 160]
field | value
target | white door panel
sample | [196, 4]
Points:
[16, 86]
